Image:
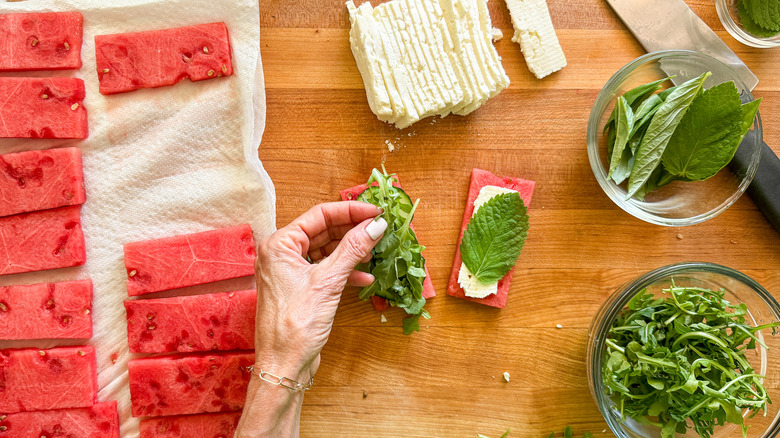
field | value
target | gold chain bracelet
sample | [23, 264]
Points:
[285, 382]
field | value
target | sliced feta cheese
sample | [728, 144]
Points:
[535, 33]
[506, 376]
[487, 193]
[493, 60]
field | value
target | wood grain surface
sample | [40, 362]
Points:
[446, 381]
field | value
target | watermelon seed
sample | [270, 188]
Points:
[105, 70]
[67, 46]
[86, 311]
[151, 327]
[34, 42]
[211, 72]
[50, 304]
[211, 359]
[3, 428]
[2, 417]
[42, 353]
[205, 49]
[3, 307]
[81, 353]
[224, 69]
[213, 367]
[44, 96]
[133, 272]
[231, 294]
[349, 196]
[74, 106]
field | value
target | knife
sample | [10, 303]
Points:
[672, 25]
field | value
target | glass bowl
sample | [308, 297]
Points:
[679, 203]
[729, 16]
[762, 309]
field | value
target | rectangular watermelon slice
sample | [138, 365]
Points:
[129, 61]
[40, 180]
[41, 380]
[40, 41]
[222, 321]
[223, 424]
[189, 384]
[479, 179]
[189, 259]
[42, 108]
[98, 421]
[46, 311]
[381, 304]
[41, 240]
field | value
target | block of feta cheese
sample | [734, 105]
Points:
[46, 310]
[189, 260]
[222, 424]
[535, 33]
[40, 41]
[42, 240]
[42, 108]
[98, 421]
[41, 380]
[40, 180]
[420, 58]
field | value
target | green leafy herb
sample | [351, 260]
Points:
[709, 134]
[624, 125]
[567, 433]
[679, 362]
[494, 237]
[660, 130]
[397, 263]
[765, 13]
[506, 434]
[749, 24]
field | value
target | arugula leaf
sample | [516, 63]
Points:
[567, 433]
[494, 237]
[661, 128]
[708, 135]
[624, 122]
[397, 263]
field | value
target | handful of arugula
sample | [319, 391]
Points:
[679, 362]
[397, 263]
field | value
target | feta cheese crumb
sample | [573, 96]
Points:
[506, 376]
[382, 318]
[558, 326]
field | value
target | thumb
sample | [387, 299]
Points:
[354, 247]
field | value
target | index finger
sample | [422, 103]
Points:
[324, 216]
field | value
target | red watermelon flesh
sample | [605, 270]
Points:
[98, 421]
[40, 380]
[40, 41]
[381, 304]
[189, 384]
[222, 321]
[129, 61]
[479, 179]
[189, 260]
[42, 108]
[191, 426]
[40, 180]
[46, 311]
[41, 240]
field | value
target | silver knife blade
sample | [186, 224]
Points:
[672, 25]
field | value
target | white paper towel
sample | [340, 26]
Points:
[158, 162]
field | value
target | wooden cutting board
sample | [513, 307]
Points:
[446, 381]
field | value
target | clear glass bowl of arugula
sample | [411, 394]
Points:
[686, 341]
[751, 22]
[691, 178]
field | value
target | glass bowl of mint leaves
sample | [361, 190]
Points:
[752, 22]
[687, 350]
[663, 133]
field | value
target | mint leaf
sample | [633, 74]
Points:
[624, 124]
[661, 128]
[749, 24]
[708, 135]
[494, 237]
[766, 13]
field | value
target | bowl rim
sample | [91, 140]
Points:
[620, 298]
[612, 190]
[739, 33]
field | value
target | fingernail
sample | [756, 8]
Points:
[376, 228]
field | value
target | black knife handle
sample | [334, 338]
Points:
[765, 188]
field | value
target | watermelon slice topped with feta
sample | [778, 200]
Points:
[42, 108]
[189, 384]
[41, 240]
[40, 41]
[41, 380]
[98, 421]
[223, 424]
[46, 311]
[479, 179]
[381, 304]
[129, 61]
[222, 321]
[40, 180]
[189, 260]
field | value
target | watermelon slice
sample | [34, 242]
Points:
[223, 321]
[189, 260]
[479, 179]
[42, 108]
[40, 380]
[40, 41]
[189, 384]
[98, 421]
[129, 61]
[42, 240]
[381, 304]
[191, 426]
[46, 311]
[40, 180]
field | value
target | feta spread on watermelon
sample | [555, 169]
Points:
[467, 280]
